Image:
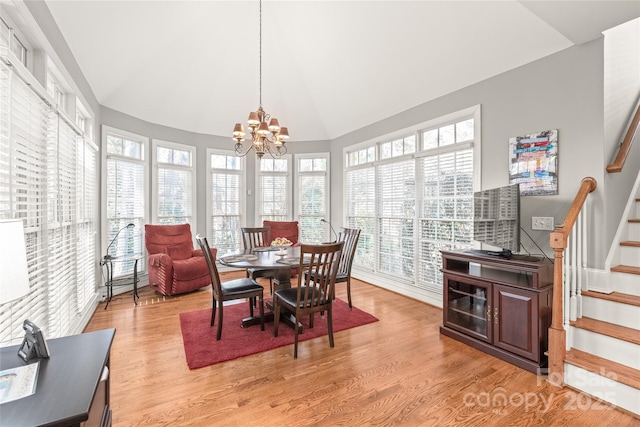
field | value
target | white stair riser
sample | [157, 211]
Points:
[630, 255]
[592, 387]
[634, 231]
[611, 312]
[626, 283]
[613, 349]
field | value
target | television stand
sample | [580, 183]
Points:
[500, 306]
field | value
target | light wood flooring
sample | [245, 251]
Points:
[398, 371]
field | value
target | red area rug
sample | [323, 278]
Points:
[202, 349]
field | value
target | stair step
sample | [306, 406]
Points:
[629, 269]
[610, 329]
[630, 243]
[599, 365]
[634, 220]
[615, 297]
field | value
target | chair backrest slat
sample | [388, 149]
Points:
[318, 276]
[255, 237]
[216, 285]
[350, 238]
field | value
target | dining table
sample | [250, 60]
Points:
[281, 260]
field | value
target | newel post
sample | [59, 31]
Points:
[558, 242]
[557, 334]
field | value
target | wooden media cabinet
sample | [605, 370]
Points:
[497, 305]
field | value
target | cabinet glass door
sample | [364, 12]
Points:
[468, 308]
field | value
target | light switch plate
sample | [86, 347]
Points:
[542, 223]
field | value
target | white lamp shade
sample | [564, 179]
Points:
[14, 273]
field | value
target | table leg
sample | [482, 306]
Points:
[135, 282]
[282, 280]
[109, 284]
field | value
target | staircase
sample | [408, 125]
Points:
[604, 360]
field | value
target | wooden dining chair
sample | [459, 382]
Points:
[311, 296]
[230, 290]
[256, 237]
[350, 237]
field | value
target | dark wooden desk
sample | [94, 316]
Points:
[270, 260]
[69, 390]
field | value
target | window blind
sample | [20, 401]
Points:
[396, 209]
[274, 186]
[312, 206]
[44, 181]
[175, 189]
[225, 210]
[447, 211]
[312, 197]
[125, 205]
[360, 204]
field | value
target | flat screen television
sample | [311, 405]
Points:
[496, 219]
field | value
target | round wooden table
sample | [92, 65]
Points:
[267, 258]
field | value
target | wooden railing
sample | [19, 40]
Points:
[625, 147]
[557, 333]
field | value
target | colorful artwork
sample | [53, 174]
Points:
[534, 163]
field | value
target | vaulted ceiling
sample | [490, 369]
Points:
[328, 67]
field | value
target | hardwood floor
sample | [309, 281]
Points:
[398, 371]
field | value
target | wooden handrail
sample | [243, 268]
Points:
[558, 241]
[625, 147]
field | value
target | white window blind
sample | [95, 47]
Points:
[412, 197]
[447, 211]
[312, 201]
[225, 208]
[175, 183]
[396, 210]
[274, 187]
[360, 207]
[86, 221]
[44, 182]
[125, 198]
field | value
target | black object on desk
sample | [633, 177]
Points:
[70, 388]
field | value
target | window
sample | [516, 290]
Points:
[312, 197]
[412, 196]
[125, 193]
[14, 40]
[225, 200]
[174, 183]
[360, 208]
[47, 180]
[274, 189]
[56, 92]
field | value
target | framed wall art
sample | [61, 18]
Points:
[533, 163]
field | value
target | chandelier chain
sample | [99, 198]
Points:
[260, 53]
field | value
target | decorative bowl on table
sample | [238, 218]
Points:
[281, 243]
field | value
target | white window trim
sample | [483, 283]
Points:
[155, 143]
[103, 187]
[209, 188]
[289, 192]
[327, 174]
[475, 112]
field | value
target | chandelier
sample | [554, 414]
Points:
[266, 134]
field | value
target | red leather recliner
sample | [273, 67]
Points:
[288, 229]
[174, 265]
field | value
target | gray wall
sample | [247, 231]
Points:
[563, 91]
